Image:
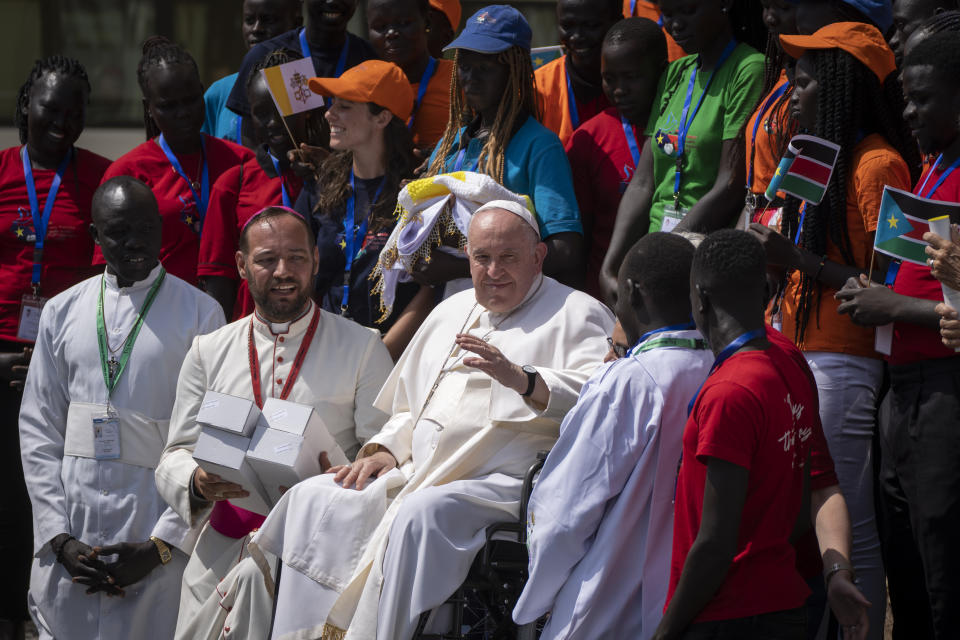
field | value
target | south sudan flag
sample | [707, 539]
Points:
[805, 169]
[540, 56]
[904, 218]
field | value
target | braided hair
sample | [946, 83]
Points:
[943, 21]
[519, 102]
[159, 51]
[61, 65]
[851, 104]
[318, 135]
[333, 180]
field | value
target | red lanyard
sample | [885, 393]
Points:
[297, 362]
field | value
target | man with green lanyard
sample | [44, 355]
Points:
[93, 425]
[600, 542]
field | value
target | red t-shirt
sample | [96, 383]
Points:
[758, 411]
[147, 163]
[68, 246]
[602, 167]
[239, 194]
[912, 342]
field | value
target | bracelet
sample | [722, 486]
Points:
[834, 570]
[58, 552]
[823, 261]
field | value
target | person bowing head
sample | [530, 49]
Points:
[178, 162]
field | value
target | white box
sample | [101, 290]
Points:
[302, 420]
[225, 454]
[229, 413]
[282, 459]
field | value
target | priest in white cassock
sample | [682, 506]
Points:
[93, 424]
[342, 367]
[600, 519]
[479, 391]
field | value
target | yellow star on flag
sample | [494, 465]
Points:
[343, 244]
[778, 173]
[660, 139]
[538, 62]
[19, 232]
[893, 221]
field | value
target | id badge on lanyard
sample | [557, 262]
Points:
[671, 217]
[30, 307]
[106, 436]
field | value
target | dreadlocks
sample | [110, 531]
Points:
[943, 21]
[851, 104]
[333, 180]
[54, 64]
[519, 102]
[159, 51]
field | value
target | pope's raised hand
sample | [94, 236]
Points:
[492, 362]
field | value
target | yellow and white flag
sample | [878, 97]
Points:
[289, 87]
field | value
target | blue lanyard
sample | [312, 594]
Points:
[203, 197]
[728, 351]
[686, 122]
[571, 99]
[353, 235]
[946, 174]
[631, 141]
[422, 89]
[40, 222]
[341, 62]
[461, 155]
[283, 185]
[239, 130]
[803, 216]
[686, 326]
[771, 99]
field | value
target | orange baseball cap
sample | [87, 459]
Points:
[449, 8]
[376, 81]
[863, 41]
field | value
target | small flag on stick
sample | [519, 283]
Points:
[542, 55]
[904, 218]
[289, 87]
[805, 169]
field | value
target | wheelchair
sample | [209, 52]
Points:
[481, 608]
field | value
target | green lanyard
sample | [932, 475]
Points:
[111, 368]
[685, 343]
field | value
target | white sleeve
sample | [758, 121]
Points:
[374, 369]
[600, 441]
[43, 421]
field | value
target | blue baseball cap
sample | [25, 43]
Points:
[880, 12]
[494, 29]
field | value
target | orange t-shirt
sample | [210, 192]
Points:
[551, 82]
[771, 134]
[650, 11]
[873, 164]
[430, 120]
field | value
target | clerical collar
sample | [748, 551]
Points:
[532, 291]
[294, 327]
[110, 280]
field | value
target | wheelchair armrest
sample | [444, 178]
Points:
[527, 490]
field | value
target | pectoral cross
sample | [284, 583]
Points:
[112, 367]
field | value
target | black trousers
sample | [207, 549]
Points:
[920, 496]
[16, 519]
[778, 625]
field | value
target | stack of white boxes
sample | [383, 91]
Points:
[287, 439]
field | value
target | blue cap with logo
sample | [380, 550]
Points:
[880, 12]
[494, 29]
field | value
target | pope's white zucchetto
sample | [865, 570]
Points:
[516, 209]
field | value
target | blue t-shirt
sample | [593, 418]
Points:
[220, 122]
[536, 166]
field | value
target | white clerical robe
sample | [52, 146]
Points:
[463, 441]
[343, 371]
[600, 519]
[102, 502]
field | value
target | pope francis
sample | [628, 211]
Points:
[483, 386]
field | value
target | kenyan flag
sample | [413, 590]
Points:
[805, 169]
[904, 218]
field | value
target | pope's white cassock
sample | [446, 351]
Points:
[344, 369]
[600, 518]
[102, 502]
[463, 441]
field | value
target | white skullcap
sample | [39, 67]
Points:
[515, 208]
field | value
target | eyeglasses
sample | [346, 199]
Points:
[619, 350]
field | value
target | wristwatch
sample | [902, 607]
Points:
[531, 380]
[162, 549]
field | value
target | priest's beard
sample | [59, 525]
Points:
[278, 310]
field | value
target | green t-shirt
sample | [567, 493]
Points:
[730, 100]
